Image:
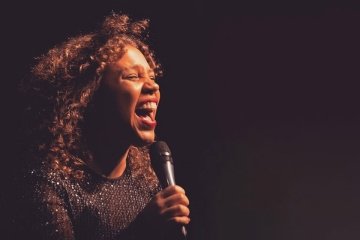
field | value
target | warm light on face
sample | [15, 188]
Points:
[132, 82]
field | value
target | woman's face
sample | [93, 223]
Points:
[132, 87]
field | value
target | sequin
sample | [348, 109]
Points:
[93, 207]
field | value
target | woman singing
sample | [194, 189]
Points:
[95, 99]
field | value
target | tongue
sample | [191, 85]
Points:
[148, 122]
[146, 117]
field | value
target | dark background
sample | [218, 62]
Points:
[259, 106]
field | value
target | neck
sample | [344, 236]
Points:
[102, 130]
[119, 168]
[109, 160]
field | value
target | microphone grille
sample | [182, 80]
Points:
[160, 148]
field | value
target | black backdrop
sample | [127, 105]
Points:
[259, 106]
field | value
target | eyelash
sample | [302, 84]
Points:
[131, 77]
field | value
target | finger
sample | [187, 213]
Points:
[170, 190]
[180, 220]
[175, 199]
[175, 211]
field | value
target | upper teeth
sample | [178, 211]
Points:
[148, 105]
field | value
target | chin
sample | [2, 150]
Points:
[144, 138]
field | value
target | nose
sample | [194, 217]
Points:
[150, 87]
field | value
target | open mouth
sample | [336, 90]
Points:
[146, 113]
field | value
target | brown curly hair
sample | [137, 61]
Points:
[64, 81]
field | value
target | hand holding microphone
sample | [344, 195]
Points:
[172, 201]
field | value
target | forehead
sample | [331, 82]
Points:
[132, 59]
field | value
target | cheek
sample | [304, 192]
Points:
[127, 98]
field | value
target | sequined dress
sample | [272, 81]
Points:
[93, 207]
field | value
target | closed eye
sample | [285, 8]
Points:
[132, 77]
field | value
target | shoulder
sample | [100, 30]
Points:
[43, 205]
[42, 172]
[41, 179]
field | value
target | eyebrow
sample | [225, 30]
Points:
[137, 66]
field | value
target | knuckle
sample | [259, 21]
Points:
[187, 212]
[184, 199]
[179, 189]
[182, 210]
[156, 198]
[174, 188]
[177, 219]
[179, 208]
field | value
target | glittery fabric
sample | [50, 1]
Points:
[93, 207]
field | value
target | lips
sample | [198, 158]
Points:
[146, 112]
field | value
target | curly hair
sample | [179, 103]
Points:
[64, 81]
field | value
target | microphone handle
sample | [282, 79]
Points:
[184, 232]
[170, 179]
[169, 173]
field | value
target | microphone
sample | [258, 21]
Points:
[162, 162]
